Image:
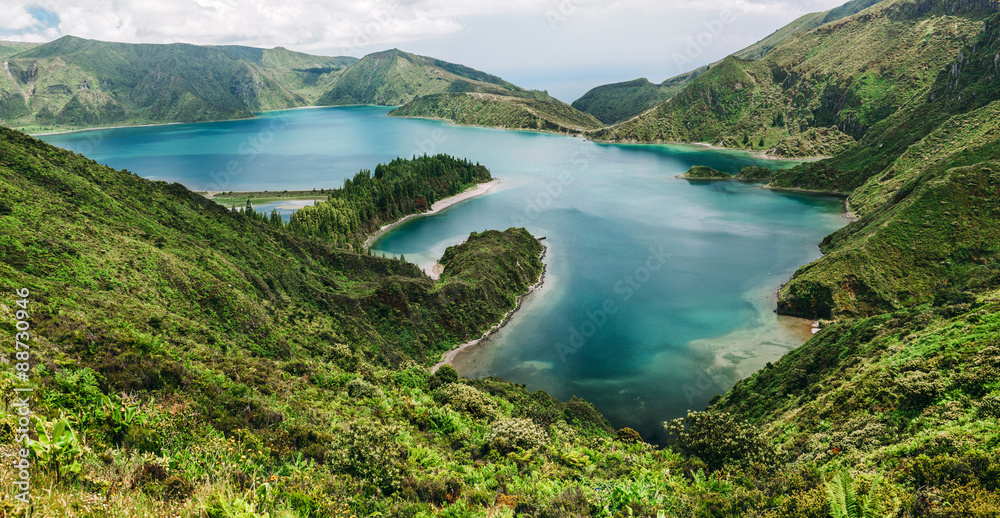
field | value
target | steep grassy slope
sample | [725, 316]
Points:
[924, 182]
[618, 102]
[818, 91]
[304, 74]
[200, 324]
[72, 83]
[943, 234]
[909, 399]
[10, 48]
[502, 111]
[199, 262]
[804, 23]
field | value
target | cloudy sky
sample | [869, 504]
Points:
[563, 46]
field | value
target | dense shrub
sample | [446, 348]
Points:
[973, 469]
[918, 389]
[444, 375]
[177, 488]
[371, 451]
[755, 173]
[580, 412]
[515, 434]
[628, 436]
[436, 491]
[468, 400]
[571, 503]
[990, 406]
[720, 440]
[977, 376]
[311, 443]
[359, 388]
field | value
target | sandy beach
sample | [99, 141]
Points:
[438, 206]
[449, 356]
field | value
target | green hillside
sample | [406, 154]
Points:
[394, 78]
[818, 91]
[501, 111]
[198, 322]
[213, 363]
[10, 48]
[194, 361]
[76, 83]
[73, 83]
[619, 102]
[804, 23]
[924, 183]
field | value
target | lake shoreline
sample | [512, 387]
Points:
[448, 357]
[438, 206]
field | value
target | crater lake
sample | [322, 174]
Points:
[659, 293]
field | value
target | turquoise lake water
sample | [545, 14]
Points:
[659, 293]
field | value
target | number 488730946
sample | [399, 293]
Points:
[22, 349]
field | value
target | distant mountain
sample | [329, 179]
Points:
[621, 101]
[618, 102]
[819, 91]
[10, 48]
[73, 82]
[428, 87]
[394, 78]
[501, 111]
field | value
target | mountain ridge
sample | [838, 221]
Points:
[617, 102]
[818, 91]
[75, 83]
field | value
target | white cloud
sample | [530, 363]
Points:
[17, 18]
[521, 38]
[301, 24]
[327, 24]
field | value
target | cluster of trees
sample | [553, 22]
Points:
[395, 190]
[274, 219]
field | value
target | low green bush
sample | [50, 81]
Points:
[510, 435]
[372, 452]
[468, 400]
[719, 440]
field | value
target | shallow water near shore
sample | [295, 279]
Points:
[659, 292]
